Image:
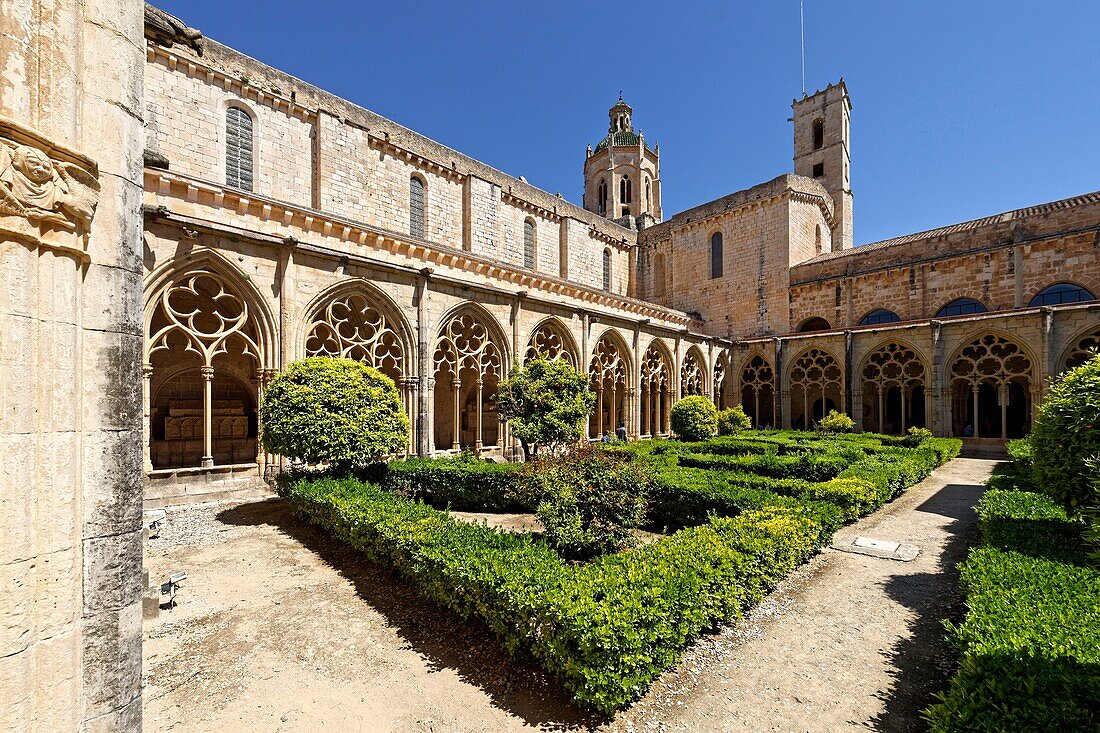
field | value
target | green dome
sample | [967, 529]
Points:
[622, 137]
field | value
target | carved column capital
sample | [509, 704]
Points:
[207, 373]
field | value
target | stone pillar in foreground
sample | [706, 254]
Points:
[70, 373]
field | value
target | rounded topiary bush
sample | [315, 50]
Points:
[337, 411]
[694, 418]
[733, 421]
[1065, 435]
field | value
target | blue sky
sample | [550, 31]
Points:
[960, 109]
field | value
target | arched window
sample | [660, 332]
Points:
[601, 197]
[1060, 294]
[716, 259]
[819, 134]
[607, 270]
[529, 244]
[817, 240]
[416, 207]
[625, 191]
[814, 324]
[961, 307]
[878, 316]
[648, 196]
[238, 149]
[659, 275]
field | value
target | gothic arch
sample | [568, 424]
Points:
[757, 378]
[551, 338]
[693, 373]
[609, 372]
[468, 361]
[991, 377]
[816, 381]
[722, 379]
[894, 378]
[1080, 348]
[209, 338]
[354, 319]
[657, 388]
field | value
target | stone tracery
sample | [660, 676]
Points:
[550, 341]
[352, 328]
[468, 366]
[1084, 349]
[893, 389]
[607, 372]
[816, 381]
[758, 391]
[990, 387]
[692, 380]
[656, 373]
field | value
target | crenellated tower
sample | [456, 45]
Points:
[622, 176]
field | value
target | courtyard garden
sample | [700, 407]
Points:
[645, 545]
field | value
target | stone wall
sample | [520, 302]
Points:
[70, 539]
[1002, 261]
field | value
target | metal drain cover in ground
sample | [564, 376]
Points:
[887, 549]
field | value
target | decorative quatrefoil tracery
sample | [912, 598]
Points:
[656, 372]
[549, 341]
[691, 375]
[1085, 348]
[465, 344]
[352, 328]
[757, 373]
[993, 359]
[209, 312]
[894, 365]
[816, 367]
[607, 363]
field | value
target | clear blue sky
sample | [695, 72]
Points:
[960, 109]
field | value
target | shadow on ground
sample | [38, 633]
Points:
[469, 648]
[925, 660]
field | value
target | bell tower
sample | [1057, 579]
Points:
[822, 150]
[622, 176]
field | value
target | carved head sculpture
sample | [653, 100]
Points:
[33, 163]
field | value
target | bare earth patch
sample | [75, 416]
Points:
[280, 628]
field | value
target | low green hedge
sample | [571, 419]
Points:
[606, 628]
[808, 466]
[462, 483]
[1030, 641]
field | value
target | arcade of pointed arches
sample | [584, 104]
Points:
[211, 349]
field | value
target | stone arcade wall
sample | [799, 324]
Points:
[70, 489]
[1001, 260]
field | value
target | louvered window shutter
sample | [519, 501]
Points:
[529, 245]
[607, 270]
[238, 149]
[416, 207]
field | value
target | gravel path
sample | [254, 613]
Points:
[281, 628]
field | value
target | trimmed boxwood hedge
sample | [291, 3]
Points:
[1031, 637]
[462, 483]
[606, 628]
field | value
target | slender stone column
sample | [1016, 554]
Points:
[425, 439]
[976, 417]
[456, 443]
[477, 428]
[207, 416]
[147, 411]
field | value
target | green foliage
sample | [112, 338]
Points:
[589, 499]
[1065, 434]
[1020, 453]
[694, 418]
[463, 483]
[606, 628]
[914, 436]
[836, 422]
[547, 404]
[734, 420]
[1031, 637]
[338, 411]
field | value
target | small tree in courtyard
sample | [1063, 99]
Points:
[733, 421]
[836, 422]
[547, 403]
[337, 411]
[694, 418]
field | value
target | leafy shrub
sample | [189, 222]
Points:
[589, 499]
[1031, 637]
[694, 418]
[463, 483]
[914, 436]
[606, 628]
[337, 411]
[836, 422]
[1020, 453]
[1065, 434]
[733, 421]
[547, 403]
[808, 466]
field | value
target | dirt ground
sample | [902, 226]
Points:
[280, 628]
